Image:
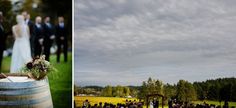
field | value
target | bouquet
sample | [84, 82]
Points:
[38, 68]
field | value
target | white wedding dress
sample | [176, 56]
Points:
[21, 53]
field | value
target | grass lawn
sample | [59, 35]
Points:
[60, 82]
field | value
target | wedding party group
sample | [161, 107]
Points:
[32, 39]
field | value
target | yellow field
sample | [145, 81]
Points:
[114, 100]
[95, 100]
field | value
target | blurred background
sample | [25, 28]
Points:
[52, 8]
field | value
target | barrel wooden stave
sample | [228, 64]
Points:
[34, 94]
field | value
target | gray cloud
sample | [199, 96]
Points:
[127, 41]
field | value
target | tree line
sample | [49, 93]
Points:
[221, 89]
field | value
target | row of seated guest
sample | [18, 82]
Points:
[127, 104]
[176, 104]
[140, 104]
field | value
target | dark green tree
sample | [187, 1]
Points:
[185, 91]
[107, 91]
[118, 91]
[126, 91]
[169, 91]
[150, 86]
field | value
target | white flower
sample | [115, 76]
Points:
[42, 57]
[46, 63]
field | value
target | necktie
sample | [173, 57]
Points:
[49, 25]
[38, 25]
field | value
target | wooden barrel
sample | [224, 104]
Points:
[32, 94]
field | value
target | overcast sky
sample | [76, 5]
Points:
[127, 41]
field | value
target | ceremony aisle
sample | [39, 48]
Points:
[60, 82]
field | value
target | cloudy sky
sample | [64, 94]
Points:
[126, 41]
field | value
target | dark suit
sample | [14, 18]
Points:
[49, 31]
[31, 29]
[38, 34]
[155, 104]
[61, 32]
[2, 44]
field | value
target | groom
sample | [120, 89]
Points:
[31, 30]
[2, 39]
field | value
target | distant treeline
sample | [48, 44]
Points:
[219, 89]
[108, 91]
[222, 89]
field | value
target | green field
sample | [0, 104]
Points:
[114, 100]
[60, 82]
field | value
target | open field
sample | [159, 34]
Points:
[114, 100]
[95, 100]
[60, 82]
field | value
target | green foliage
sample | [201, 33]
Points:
[5, 6]
[201, 94]
[107, 91]
[117, 91]
[219, 89]
[134, 91]
[170, 91]
[150, 86]
[185, 91]
[126, 91]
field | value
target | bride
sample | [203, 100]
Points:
[21, 53]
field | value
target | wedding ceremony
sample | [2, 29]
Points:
[35, 54]
[117, 54]
[155, 54]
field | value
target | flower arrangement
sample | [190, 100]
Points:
[38, 68]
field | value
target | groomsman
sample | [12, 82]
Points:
[39, 35]
[2, 39]
[61, 38]
[49, 31]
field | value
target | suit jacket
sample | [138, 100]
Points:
[2, 39]
[38, 33]
[61, 32]
[48, 31]
[31, 28]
